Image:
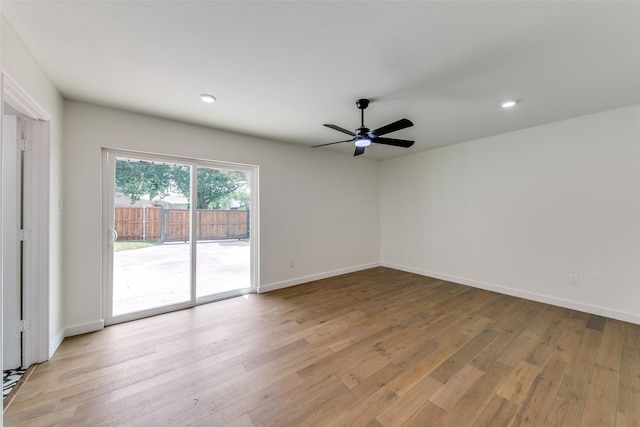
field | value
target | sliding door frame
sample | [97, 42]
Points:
[108, 190]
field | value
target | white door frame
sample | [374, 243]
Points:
[108, 221]
[36, 286]
[11, 295]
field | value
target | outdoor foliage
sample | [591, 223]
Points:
[217, 189]
[136, 179]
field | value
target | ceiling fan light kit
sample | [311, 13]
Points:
[509, 103]
[362, 142]
[207, 98]
[363, 136]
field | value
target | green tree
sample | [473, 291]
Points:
[217, 189]
[137, 178]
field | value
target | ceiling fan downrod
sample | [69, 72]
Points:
[362, 138]
[362, 104]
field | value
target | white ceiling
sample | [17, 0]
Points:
[282, 69]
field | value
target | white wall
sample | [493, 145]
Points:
[318, 208]
[520, 212]
[17, 62]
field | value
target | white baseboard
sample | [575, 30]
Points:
[547, 299]
[57, 340]
[299, 280]
[84, 328]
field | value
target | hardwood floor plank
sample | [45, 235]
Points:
[533, 411]
[624, 421]
[600, 407]
[568, 407]
[326, 413]
[477, 397]
[530, 336]
[451, 392]
[223, 411]
[629, 386]
[508, 333]
[602, 402]
[517, 386]
[464, 355]
[498, 412]
[570, 337]
[428, 414]
[421, 367]
[399, 410]
[610, 351]
[367, 410]
[378, 347]
[548, 339]
[596, 322]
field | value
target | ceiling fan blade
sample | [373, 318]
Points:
[331, 143]
[359, 150]
[392, 127]
[339, 129]
[395, 142]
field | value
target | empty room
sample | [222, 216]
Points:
[327, 213]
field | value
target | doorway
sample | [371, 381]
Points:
[24, 239]
[24, 234]
[179, 232]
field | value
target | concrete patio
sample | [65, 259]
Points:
[159, 275]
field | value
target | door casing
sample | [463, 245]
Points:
[35, 290]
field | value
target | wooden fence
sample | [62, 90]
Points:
[172, 225]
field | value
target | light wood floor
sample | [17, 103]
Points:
[376, 348]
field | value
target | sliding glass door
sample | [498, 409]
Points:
[149, 271]
[178, 232]
[223, 249]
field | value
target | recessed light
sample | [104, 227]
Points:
[509, 104]
[209, 99]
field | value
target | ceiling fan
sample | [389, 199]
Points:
[363, 136]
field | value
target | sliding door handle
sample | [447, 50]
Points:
[113, 235]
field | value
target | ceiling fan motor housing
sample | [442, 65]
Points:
[362, 103]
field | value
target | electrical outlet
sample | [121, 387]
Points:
[292, 264]
[574, 279]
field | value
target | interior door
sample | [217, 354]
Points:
[11, 271]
